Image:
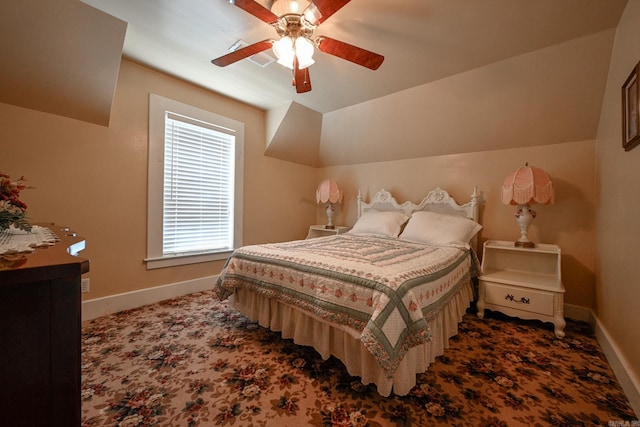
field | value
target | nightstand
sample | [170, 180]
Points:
[522, 282]
[320, 231]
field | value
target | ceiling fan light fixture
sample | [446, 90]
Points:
[312, 13]
[305, 62]
[283, 49]
[286, 63]
[304, 52]
[295, 22]
[286, 7]
[286, 48]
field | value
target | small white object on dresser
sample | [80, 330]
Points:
[321, 231]
[522, 282]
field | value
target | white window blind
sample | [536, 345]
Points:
[198, 197]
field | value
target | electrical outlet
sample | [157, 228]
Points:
[85, 286]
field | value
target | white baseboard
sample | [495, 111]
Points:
[617, 361]
[97, 307]
[620, 366]
[577, 312]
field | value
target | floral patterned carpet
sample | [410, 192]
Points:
[195, 361]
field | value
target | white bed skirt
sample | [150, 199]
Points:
[329, 340]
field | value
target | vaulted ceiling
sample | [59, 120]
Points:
[63, 56]
[421, 41]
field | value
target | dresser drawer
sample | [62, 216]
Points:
[517, 298]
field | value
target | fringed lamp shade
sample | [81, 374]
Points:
[329, 192]
[526, 186]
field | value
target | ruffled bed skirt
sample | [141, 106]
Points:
[330, 340]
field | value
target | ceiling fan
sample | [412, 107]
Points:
[295, 22]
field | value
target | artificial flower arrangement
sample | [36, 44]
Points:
[13, 211]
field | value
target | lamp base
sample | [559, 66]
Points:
[519, 244]
[329, 225]
[524, 216]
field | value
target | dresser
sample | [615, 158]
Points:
[522, 282]
[40, 314]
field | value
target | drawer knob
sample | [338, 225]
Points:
[522, 300]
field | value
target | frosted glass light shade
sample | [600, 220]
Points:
[286, 7]
[286, 48]
[283, 49]
[304, 52]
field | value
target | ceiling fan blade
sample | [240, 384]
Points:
[349, 52]
[242, 53]
[257, 10]
[321, 10]
[301, 78]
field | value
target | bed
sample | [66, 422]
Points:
[384, 298]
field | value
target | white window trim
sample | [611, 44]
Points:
[158, 105]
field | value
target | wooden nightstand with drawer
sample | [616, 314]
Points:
[522, 282]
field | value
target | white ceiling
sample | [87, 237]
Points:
[422, 41]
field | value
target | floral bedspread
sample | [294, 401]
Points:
[382, 290]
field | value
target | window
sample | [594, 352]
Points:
[195, 184]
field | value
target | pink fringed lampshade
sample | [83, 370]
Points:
[329, 192]
[524, 187]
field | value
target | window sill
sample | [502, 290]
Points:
[173, 261]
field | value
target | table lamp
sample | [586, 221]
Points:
[524, 187]
[329, 192]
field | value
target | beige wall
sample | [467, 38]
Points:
[568, 223]
[618, 204]
[94, 179]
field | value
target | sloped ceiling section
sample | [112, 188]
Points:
[293, 134]
[549, 96]
[60, 57]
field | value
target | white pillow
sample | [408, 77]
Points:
[380, 223]
[439, 229]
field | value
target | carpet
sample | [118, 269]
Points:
[195, 361]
